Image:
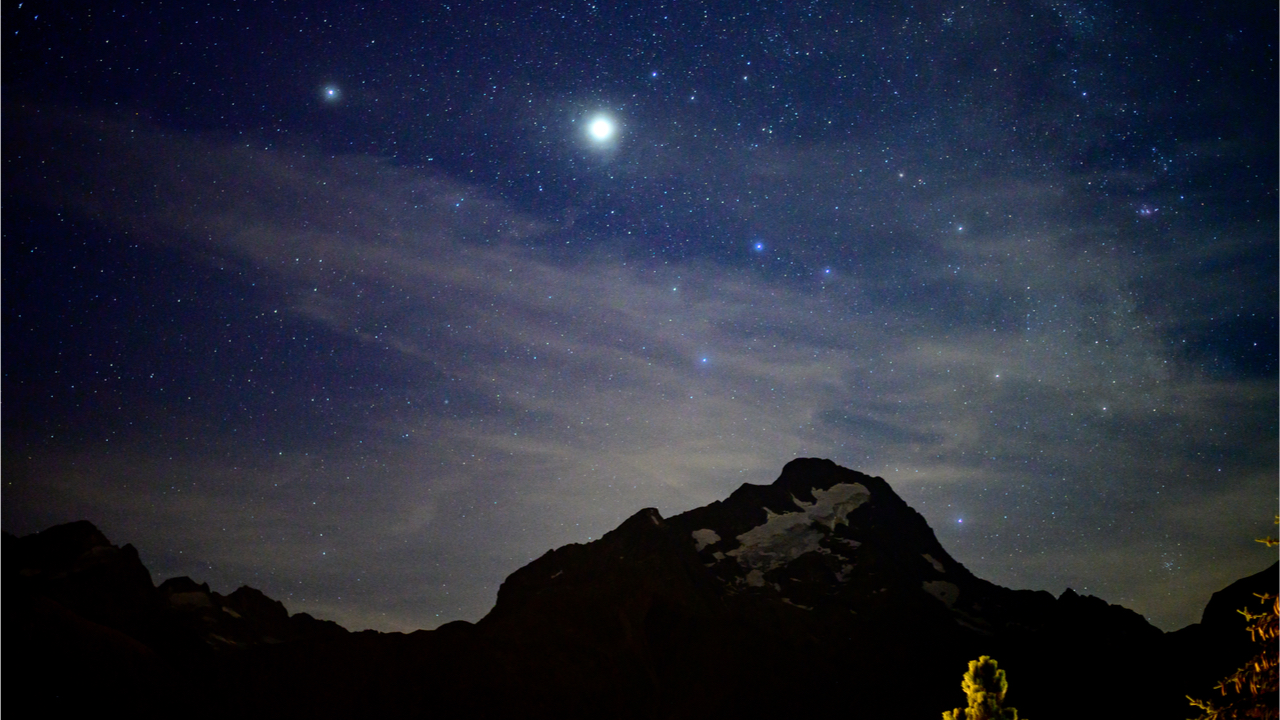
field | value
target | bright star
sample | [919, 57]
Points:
[601, 129]
[331, 93]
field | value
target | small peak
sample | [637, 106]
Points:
[649, 516]
[643, 523]
[809, 463]
[182, 584]
[252, 602]
[61, 545]
[803, 474]
[807, 470]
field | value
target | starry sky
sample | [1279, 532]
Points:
[368, 305]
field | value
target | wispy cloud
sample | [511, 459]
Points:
[1019, 370]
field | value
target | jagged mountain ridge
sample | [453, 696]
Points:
[824, 575]
[825, 579]
[827, 540]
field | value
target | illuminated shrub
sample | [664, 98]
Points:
[985, 687]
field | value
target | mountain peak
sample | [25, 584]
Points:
[824, 533]
[822, 575]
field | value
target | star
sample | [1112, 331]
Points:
[601, 128]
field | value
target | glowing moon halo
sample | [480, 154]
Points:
[601, 129]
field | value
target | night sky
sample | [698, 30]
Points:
[363, 306]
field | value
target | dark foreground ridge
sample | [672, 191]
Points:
[821, 592]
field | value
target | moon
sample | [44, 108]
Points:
[601, 129]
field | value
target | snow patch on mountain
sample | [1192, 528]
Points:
[947, 592]
[786, 536]
[936, 565]
[705, 537]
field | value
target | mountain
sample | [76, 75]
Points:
[85, 626]
[821, 591]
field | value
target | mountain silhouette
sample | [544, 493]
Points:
[822, 591]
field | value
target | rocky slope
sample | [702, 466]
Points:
[821, 591]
